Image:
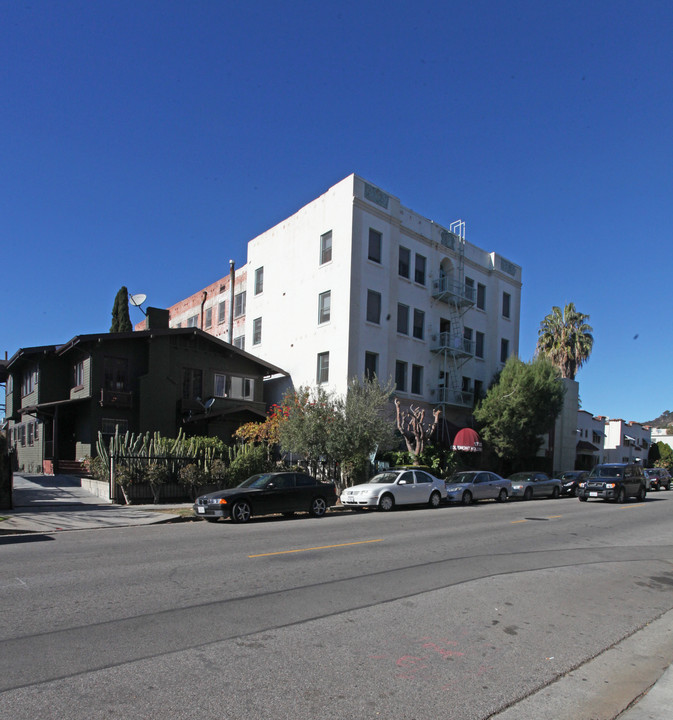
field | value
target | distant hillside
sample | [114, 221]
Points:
[664, 420]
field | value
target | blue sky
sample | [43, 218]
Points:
[144, 143]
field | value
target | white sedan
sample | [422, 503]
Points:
[396, 487]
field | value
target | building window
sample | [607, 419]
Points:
[469, 288]
[322, 374]
[193, 321]
[504, 350]
[371, 365]
[419, 275]
[374, 245]
[467, 340]
[209, 317]
[192, 383]
[466, 384]
[419, 320]
[506, 301]
[326, 247]
[234, 387]
[404, 262]
[239, 304]
[28, 381]
[478, 390]
[257, 331]
[417, 379]
[110, 426]
[481, 296]
[221, 312]
[479, 345]
[402, 319]
[239, 342]
[324, 307]
[78, 375]
[373, 307]
[115, 374]
[259, 280]
[401, 376]
[30, 434]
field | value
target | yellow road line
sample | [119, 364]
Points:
[514, 522]
[626, 507]
[322, 547]
[552, 517]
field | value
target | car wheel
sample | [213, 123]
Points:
[435, 499]
[621, 496]
[240, 512]
[387, 502]
[528, 494]
[555, 493]
[467, 497]
[211, 519]
[658, 487]
[575, 491]
[641, 494]
[502, 495]
[318, 507]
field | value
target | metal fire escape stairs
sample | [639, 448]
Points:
[450, 344]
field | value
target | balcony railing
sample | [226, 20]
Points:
[452, 291]
[452, 343]
[459, 398]
[116, 398]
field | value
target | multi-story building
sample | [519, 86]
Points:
[355, 284]
[625, 441]
[590, 440]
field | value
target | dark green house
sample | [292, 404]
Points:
[59, 397]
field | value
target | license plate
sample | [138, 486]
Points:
[200, 509]
[592, 494]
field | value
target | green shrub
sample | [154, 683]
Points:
[250, 460]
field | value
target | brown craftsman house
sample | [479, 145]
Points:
[59, 397]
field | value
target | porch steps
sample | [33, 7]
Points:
[71, 467]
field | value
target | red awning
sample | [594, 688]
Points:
[467, 440]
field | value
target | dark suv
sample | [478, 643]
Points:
[614, 481]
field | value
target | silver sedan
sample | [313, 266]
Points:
[530, 484]
[396, 487]
[473, 485]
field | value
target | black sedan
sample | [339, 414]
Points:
[571, 482]
[265, 494]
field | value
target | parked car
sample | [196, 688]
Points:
[660, 478]
[267, 493]
[397, 486]
[473, 485]
[570, 481]
[529, 484]
[614, 481]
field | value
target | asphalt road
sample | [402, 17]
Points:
[453, 613]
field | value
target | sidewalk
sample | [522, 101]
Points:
[53, 503]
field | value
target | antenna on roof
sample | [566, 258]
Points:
[137, 300]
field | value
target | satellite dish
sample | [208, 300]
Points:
[138, 299]
[209, 403]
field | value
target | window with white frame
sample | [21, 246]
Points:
[259, 280]
[322, 373]
[234, 387]
[324, 306]
[239, 342]
[257, 331]
[326, 247]
[193, 321]
[239, 304]
[78, 374]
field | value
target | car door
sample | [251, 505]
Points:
[541, 486]
[481, 490]
[493, 485]
[405, 489]
[304, 493]
[424, 486]
[280, 494]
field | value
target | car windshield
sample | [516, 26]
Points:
[568, 476]
[385, 478]
[256, 481]
[461, 478]
[607, 471]
[521, 477]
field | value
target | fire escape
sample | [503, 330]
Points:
[452, 346]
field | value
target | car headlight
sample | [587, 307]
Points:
[582, 484]
[517, 487]
[610, 485]
[217, 501]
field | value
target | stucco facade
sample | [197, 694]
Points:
[354, 283]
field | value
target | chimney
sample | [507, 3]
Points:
[156, 319]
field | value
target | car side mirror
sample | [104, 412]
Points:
[401, 482]
[270, 485]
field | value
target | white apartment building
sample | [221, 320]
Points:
[625, 441]
[356, 284]
[590, 440]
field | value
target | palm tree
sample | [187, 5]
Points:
[565, 339]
